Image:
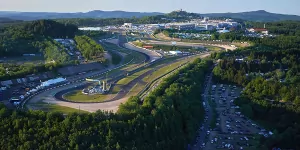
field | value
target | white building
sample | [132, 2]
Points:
[223, 31]
[258, 30]
[52, 81]
[175, 52]
[127, 25]
[181, 26]
[90, 29]
[205, 27]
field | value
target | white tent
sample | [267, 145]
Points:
[52, 81]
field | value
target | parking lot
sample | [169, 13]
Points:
[232, 130]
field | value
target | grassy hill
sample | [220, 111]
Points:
[98, 17]
[259, 15]
[90, 14]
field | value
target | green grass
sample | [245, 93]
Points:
[128, 79]
[78, 96]
[136, 89]
[57, 108]
[169, 47]
[137, 59]
[167, 69]
[164, 70]
[213, 48]
[116, 59]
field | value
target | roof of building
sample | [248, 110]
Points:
[175, 51]
[52, 81]
[181, 24]
[259, 29]
[223, 31]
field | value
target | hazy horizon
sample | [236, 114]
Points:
[204, 6]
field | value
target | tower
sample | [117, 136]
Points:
[264, 26]
[104, 86]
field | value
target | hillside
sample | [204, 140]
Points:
[90, 14]
[28, 37]
[8, 20]
[259, 15]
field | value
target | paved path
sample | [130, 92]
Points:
[203, 132]
[191, 44]
[48, 96]
[92, 107]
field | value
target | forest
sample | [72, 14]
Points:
[269, 73]
[35, 37]
[291, 28]
[89, 48]
[54, 57]
[168, 118]
[26, 37]
[271, 94]
[94, 22]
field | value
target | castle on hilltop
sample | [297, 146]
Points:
[180, 10]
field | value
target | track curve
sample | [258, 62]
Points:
[54, 95]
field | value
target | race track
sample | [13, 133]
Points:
[48, 95]
[190, 44]
[54, 96]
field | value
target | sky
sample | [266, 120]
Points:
[165, 6]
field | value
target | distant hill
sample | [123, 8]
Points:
[90, 14]
[259, 15]
[7, 20]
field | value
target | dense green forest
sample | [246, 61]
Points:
[280, 41]
[167, 119]
[11, 71]
[271, 96]
[54, 56]
[27, 37]
[112, 21]
[89, 48]
[269, 72]
[34, 37]
[291, 28]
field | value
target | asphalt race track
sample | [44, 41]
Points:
[55, 95]
[49, 96]
[190, 44]
[124, 89]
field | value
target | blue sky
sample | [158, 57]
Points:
[198, 6]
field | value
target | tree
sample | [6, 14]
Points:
[247, 110]
[297, 100]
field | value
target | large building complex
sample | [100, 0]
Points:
[181, 26]
[205, 27]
